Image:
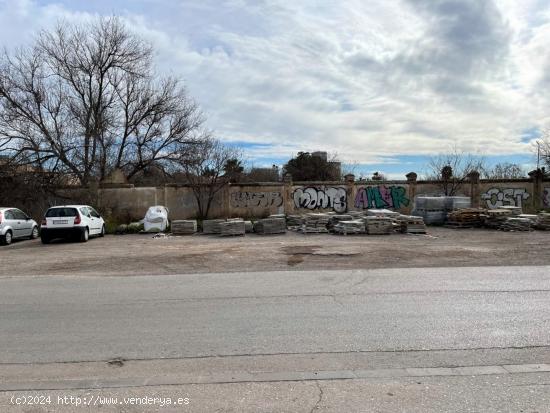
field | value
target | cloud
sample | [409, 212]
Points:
[368, 80]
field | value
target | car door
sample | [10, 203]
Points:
[24, 222]
[98, 221]
[87, 218]
[11, 221]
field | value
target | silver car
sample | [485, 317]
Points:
[15, 224]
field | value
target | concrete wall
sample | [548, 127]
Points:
[263, 199]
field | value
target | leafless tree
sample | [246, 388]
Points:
[84, 100]
[453, 169]
[203, 164]
[505, 170]
[542, 149]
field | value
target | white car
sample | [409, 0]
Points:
[78, 222]
[15, 224]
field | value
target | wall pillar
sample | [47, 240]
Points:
[475, 190]
[537, 176]
[411, 181]
[349, 179]
[288, 202]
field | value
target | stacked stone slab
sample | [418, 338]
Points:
[315, 224]
[378, 225]
[516, 224]
[335, 219]
[232, 228]
[514, 210]
[294, 221]
[212, 226]
[349, 227]
[466, 218]
[543, 221]
[412, 224]
[270, 226]
[184, 227]
[496, 217]
[248, 227]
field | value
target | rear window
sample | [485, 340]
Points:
[61, 212]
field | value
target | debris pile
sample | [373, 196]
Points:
[543, 221]
[379, 225]
[412, 224]
[466, 218]
[248, 227]
[232, 227]
[315, 223]
[184, 227]
[349, 227]
[270, 226]
[212, 226]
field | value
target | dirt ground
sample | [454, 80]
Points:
[142, 254]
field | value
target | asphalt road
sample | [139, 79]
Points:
[375, 328]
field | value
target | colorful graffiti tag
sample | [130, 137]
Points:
[546, 198]
[498, 197]
[381, 196]
[256, 199]
[321, 198]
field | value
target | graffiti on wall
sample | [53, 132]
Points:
[546, 197]
[256, 199]
[498, 197]
[321, 198]
[381, 196]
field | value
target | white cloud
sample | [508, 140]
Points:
[363, 79]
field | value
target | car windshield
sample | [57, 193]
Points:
[61, 212]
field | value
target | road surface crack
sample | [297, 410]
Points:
[319, 397]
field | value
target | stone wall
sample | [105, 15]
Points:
[263, 199]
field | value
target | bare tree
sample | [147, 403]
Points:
[505, 170]
[203, 164]
[453, 169]
[84, 100]
[542, 149]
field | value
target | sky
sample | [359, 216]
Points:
[384, 84]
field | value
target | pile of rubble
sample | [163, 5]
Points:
[184, 227]
[294, 222]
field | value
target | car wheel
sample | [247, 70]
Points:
[102, 234]
[34, 233]
[6, 239]
[85, 235]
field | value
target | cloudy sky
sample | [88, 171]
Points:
[385, 84]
